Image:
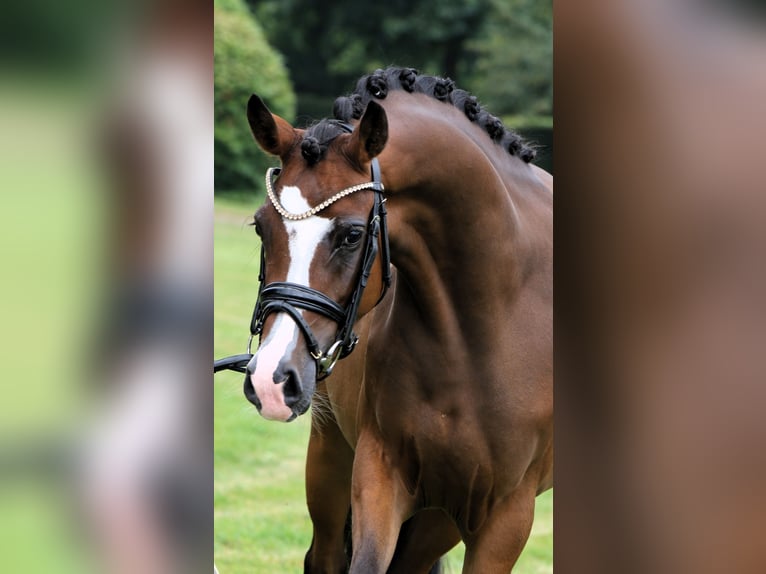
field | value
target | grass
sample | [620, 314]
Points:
[261, 520]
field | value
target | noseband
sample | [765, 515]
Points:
[285, 297]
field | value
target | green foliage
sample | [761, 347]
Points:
[232, 6]
[244, 63]
[501, 50]
[329, 45]
[513, 73]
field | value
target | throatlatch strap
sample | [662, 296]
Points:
[380, 203]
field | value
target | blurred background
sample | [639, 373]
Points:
[660, 314]
[106, 199]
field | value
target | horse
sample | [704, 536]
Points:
[406, 291]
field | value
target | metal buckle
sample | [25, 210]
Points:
[327, 360]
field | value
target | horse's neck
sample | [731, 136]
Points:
[458, 248]
[470, 225]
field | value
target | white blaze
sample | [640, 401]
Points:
[304, 236]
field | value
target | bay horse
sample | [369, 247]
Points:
[437, 424]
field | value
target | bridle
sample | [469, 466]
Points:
[289, 298]
[285, 297]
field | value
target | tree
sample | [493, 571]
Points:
[244, 63]
[513, 74]
[330, 44]
[501, 50]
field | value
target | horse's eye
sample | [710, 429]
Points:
[353, 237]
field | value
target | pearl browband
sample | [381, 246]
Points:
[272, 172]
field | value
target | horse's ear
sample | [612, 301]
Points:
[272, 133]
[370, 137]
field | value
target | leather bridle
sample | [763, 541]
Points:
[290, 298]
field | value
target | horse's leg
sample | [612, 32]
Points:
[380, 503]
[328, 494]
[496, 546]
[423, 539]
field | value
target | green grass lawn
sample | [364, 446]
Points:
[261, 520]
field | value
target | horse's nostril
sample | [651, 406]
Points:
[293, 388]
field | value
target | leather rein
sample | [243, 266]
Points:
[289, 298]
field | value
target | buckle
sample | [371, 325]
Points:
[328, 359]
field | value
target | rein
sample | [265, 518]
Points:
[285, 297]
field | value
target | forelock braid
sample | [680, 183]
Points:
[311, 150]
[341, 108]
[347, 108]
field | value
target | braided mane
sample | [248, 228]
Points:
[377, 86]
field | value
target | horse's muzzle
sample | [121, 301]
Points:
[282, 395]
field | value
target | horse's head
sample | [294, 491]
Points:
[319, 230]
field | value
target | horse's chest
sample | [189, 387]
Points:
[438, 453]
[459, 476]
[448, 458]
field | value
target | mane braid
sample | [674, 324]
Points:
[318, 138]
[378, 85]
